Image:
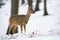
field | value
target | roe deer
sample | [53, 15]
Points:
[19, 20]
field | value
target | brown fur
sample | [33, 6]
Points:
[21, 20]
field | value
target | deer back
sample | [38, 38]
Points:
[18, 19]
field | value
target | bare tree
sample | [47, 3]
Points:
[0, 0]
[30, 3]
[23, 1]
[45, 8]
[14, 7]
[37, 5]
[1, 3]
[14, 11]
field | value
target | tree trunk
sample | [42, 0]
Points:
[0, 3]
[14, 7]
[30, 3]
[14, 11]
[1, 0]
[23, 1]
[45, 8]
[37, 5]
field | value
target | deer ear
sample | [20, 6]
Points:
[30, 7]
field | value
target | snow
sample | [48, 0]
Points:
[39, 27]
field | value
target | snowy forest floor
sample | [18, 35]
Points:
[44, 27]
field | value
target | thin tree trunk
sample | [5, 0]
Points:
[14, 7]
[23, 1]
[45, 8]
[1, 0]
[37, 5]
[0, 3]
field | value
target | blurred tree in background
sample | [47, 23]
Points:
[37, 5]
[45, 8]
[23, 1]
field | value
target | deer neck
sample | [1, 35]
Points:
[28, 16]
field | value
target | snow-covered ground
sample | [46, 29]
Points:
[39, 27]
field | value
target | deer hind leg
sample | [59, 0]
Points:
[21, 28]
[14, 28]
[8, 30]
[25, 28]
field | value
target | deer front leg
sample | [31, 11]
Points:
[8, 30]
[25, 28]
